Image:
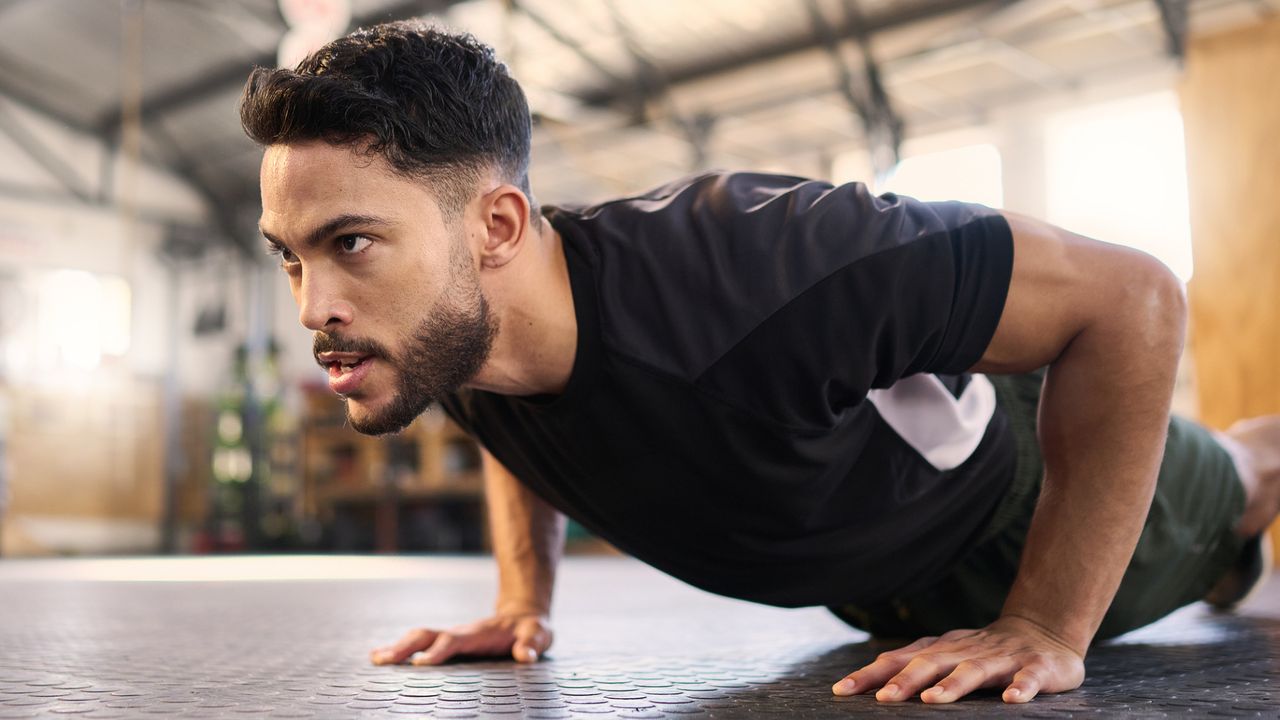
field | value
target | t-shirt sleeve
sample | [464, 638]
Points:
[894, 287]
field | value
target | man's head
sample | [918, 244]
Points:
[434, 105]
[395, 168]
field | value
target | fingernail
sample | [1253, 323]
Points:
[417, 658]
[889, 691]
[1014, 692]
[844, 687]
[382, 657]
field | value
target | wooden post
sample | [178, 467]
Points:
[1231, 109]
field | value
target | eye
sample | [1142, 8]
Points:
[286, 256]
[352, 244]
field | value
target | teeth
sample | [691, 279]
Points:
[344, 366]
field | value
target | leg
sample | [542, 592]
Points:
[1187, 543]
[1254, 446]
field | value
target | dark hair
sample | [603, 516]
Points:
[434, 104]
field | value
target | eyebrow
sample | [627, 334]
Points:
[331, 227]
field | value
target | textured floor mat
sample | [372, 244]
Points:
[219, 638]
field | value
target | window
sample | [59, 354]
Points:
[969, 172]
[80, 318]
[1117, 172]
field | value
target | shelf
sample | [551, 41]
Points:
[430, 467]
[469, 488]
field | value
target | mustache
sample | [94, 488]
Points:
[328, 342]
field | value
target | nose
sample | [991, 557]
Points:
[320, 305]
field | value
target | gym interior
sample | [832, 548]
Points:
[189, 526]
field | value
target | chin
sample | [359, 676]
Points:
[369, 418]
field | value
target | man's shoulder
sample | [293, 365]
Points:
[712, 190]
[684, 269]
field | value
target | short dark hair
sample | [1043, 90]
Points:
[433, 103]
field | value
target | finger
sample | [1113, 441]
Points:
[532, 640]
[958, 634]
[1025, 686]
[413, 641]
[446, 646]
[885, 666]
[968, 676]
[920, 673]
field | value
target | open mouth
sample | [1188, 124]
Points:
[341, 364]
[342, 367]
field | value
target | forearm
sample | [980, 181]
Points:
[1102, 427]
[528, 540]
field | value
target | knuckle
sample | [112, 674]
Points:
[1027, 677]
[976, 665]
[414, 639]
[923, 663]
[920, 644]
[901, 679]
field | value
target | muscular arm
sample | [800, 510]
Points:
[528, 540]
[1109, 322]
[528, 537]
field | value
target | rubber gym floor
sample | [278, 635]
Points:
[288, 637]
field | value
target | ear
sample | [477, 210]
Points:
[505, 210]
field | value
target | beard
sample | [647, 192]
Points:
[446, 350]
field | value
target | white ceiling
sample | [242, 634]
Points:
[615, 83]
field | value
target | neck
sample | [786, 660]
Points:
[537, 339]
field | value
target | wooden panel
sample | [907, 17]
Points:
[1231, 107]
[92, 453]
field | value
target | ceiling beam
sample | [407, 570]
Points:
[1173, 17]
[221, 208]
[27, 142]
[232, 75]
[13, 67]
[901, 15]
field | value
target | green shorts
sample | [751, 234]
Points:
[1186, 544]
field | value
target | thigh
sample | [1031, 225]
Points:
[1187, 542]
[973, 591]
[1185, 546]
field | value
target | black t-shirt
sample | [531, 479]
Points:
[734, 416]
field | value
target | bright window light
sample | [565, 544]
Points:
[81, 318]
[970, 174]
[1117, 172]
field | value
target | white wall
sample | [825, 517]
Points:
[43, 228]
[154, 190]
[1020, 132]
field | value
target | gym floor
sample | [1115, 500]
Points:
[288, 637]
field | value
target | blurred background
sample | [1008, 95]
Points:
[157, 394]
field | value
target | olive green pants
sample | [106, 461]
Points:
[1186, 544]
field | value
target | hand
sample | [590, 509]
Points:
[525, 637]
[1010, 651]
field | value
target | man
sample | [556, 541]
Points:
[768, 387]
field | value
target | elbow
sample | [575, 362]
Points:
[1159, 308]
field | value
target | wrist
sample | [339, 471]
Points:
[522, 607]
[1073, 639]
